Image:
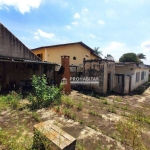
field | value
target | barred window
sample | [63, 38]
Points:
[142, 75]
[137, 76]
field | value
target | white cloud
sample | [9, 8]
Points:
[76, 16]
[21, 5]
[36, 37]
[92, 36]
[43, 34]
[84, 10]
[74, 23]
[101, 22]
[68, 27]
[116, 49]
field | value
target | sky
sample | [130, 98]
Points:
[115, 26]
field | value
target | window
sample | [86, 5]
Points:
[74, 58]
[137, 76]
[142, 75]
[40, 55]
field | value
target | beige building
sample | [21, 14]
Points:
[77, 51]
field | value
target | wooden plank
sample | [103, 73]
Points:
[56, 135]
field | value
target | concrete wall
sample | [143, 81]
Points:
[10, 46]
[100, 69]
[127, 69]
[53, 54]
[109, 68]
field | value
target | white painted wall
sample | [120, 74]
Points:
[126, 84]
[135, 84]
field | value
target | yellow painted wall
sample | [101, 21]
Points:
[39, 51]
[75, 50]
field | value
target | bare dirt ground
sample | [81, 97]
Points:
[94, 123]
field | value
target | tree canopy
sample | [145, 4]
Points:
[132, 57]
[128, 57]
[99, 53]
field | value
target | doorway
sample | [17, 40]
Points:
[108, 81]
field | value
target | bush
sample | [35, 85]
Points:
[13, 99]
[44, 95]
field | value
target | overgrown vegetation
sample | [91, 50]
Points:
[44, 95]
[130, 134]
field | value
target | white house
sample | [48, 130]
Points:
[129, 76]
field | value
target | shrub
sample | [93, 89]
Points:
[44, 94]
[13, 99]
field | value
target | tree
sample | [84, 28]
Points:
[140, 56]
[132, 57]
[129, 57]
[99, 53]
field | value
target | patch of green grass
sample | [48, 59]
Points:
[118, 99]
[57, 108]
[112, 110]
[80, 121]
[115, 105]
[16, 140]
[80, 146]
[68, 101]
[69, 114]
[105, 102]
[102, 98]
[94, 113]
[93, 126]
[79, 106]
[36, 116]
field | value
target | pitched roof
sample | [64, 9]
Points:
[81, 43]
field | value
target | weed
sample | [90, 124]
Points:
[67, 101]
[102, 98]
[80, 146]
[112, 110]
[69, 115]
[79, 106]
[36, 116]
[94, 113]
[66, 112]
[130, 134]
[124, 108]
[81, 121]
[90, 104]
[105, 102]
[93, 126]
[118, 99]
[57, 108]
[12, 99]
[141, 117]
[115, 105]
[19, 140]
